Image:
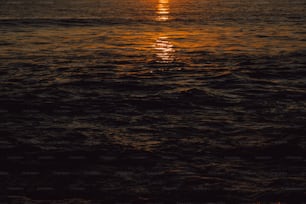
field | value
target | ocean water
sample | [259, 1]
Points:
[153, 100]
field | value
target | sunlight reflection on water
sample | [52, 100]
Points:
[164, 50]
[163, 10]
[163, 47]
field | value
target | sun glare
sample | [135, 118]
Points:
[164, 50]
[163, 10]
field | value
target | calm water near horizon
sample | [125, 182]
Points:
[165, 100]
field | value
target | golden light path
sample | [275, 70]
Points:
[164, 50]
[163, 47]
[163, 10]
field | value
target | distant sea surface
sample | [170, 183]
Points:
[153, 100]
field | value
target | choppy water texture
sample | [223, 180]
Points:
[153, 100]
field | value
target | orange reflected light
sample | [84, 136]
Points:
[164, 50]
[163, 10]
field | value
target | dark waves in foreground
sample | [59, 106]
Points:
[162, 134]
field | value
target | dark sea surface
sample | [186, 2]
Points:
[143, 101]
